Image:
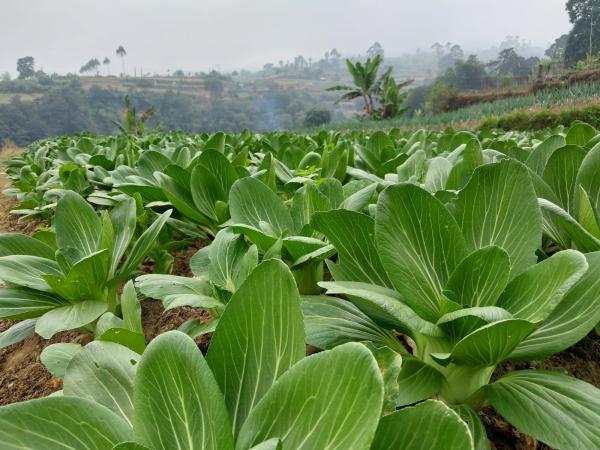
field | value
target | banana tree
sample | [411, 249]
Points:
[373, 88]
[365, 82]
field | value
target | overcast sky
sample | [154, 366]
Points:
[200, 35]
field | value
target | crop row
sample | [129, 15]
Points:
[413, 264]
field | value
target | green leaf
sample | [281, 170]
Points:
[271, 444]
[131, 309]
[206, 192]
[69, 317]
[306, 414]
[480, 278]
[438, 170]
[216, 142]
[86, 279]
[587, 215]
[251, 202]
[360, 199]
[219, 166]
[231, 260]
[141, 247]
[198, 327]
[161, 286]
[46, 236]
[132, 340]
[177, 402]
[419, 244]
[574, 317]
[541, 154]
[177, 291]
[27, 271]
[262, 238]
[306, 201]
[558, 410]
[17, 333]
[499, 207]
[580, 134]
[465, 161]
[587, 178]
[535, 293]
[61, 423]
[103, 372]
[489, 345]
[417, 381]
[21, 244]
[430, 425]
[582, 239]
[107, 321]
[211, 181]
[460, 323]
[384, 306]
[561, 175]
[476, 427]
[56, 357]
[180, 197]
[330, 321]
[299, 246]
[130, 446]
[332, 189]
[413, 168]
[78, 227]
[262, 331]
[390, 364]
[123, 218]
[22, 303]
[352, 235]
[316, 256]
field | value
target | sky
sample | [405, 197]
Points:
[201, 35]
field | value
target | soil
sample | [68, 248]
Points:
[22, 375]
[156, 320]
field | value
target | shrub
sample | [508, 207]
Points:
[317, 117]
[544, 119]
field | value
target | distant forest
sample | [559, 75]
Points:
[286, 94]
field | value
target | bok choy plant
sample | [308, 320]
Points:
[461, 282]
[281, 231]
[71, 276]
[173, 398]
[569, 191]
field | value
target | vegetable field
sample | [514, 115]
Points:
[355, 290]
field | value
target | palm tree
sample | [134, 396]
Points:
[122, 52]
[90, 66]
[106, 63]
[365, 82]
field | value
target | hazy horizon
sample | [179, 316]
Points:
[230, 34]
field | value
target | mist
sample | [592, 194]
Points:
[234, 34]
